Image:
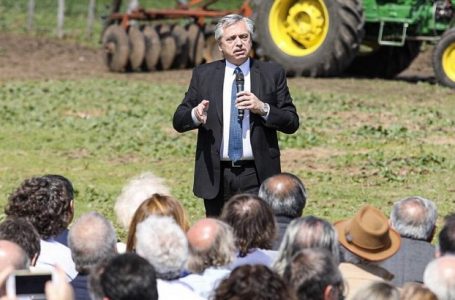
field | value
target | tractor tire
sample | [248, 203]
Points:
[196, 45]
[181, 39]
[309, 37]
[137, 48]
[444, 59]
[152, 48]
[385, 61]
[116, 48]
[168, 47]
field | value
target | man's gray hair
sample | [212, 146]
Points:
[91, 239]
[136, 191]
[303, 233]
[163, 244]
[414, 217]
[229, 20]
[220, 253]
[285, 193]
[439, 277]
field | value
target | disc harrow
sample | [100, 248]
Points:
[163, 39]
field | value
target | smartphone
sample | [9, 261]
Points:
[24, 284]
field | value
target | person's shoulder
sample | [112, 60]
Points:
[268, 65]
[207, 67]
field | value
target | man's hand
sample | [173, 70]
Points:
[248, 100]
[200, 111]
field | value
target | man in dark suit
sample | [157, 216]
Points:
[414, 218]
[235, 154]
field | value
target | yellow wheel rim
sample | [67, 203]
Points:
[448, 61]
[298, 28]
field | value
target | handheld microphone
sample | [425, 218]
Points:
[240, 85]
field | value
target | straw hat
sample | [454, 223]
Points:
[368, 234]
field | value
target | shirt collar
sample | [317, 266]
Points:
[245, 67]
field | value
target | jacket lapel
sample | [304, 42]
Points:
[217, 88]
[255, 84]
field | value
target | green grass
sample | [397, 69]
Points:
[349, 150]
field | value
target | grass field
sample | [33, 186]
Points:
[350, 148]
[360, 141]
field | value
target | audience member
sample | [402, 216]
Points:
[414, 218]
[447, 237]
[12, 255]
[379, 290]
[136, 191]
[127, 277]
[62, 236]
[22, 232]
[160, 205]
[313, 275]
[254, 229]
[307, 232]
[164, 245]
[253, 282]
[416, 291]
[286, 195]
[91, 239]
[366, 240]
[59, 288]
[439, 277]
[212, 249]
[47, 202]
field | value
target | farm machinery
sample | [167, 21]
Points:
[317, 38]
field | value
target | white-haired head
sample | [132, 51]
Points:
[134, 193]
[163, 244]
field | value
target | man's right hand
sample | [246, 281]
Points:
[200, 111]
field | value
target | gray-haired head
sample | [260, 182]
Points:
[310, 272]
[229, 20]
[439, 277]
[303, 233]
[285, 193]
[91, 239]
[163, 244]
[414, 217]
[211, 244]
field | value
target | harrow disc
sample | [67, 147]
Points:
[116, 48]
[196, 44]
[152, 48]
[211, 50]
[181, 38]
[137, 47]
[168, 47]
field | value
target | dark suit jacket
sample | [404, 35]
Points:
[408, 264]
[80, 286]
[268, 83]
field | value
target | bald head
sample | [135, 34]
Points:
[202, 234]
[211, 244]
[12, 255]
[439, 277]
[285, 193]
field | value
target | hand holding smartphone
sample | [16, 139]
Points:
[24, 284]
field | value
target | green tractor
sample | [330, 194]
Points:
[371, 38]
